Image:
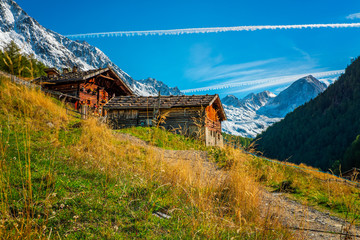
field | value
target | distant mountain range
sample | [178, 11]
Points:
[55, 50]
[254, 113]
[153, 87]
[324, 132]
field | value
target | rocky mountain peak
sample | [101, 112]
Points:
[160, 86]
[295, 95]
[255, 101]
[231, 100]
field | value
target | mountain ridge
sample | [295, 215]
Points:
[54, 49]
[298, 93]
[256, 112]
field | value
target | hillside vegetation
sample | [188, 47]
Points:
[320, 132]
[15, 63]
[65, 178]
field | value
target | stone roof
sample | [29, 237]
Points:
[71, 76]
[166, 102]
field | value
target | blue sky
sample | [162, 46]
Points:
[227, 63]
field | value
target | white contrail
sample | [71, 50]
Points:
[211, 30]
[268, 81]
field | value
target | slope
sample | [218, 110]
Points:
[319, 132]
[62, 178]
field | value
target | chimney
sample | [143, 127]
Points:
[65, 70]
[74, 69]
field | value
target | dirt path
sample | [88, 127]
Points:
[295, 215]
[319, 225]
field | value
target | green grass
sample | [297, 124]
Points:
[171, 141]
[304, 187]
[89, 186]
[48, 191]
[80, 202]
[338, 198]
[237, 141]
[164, 139]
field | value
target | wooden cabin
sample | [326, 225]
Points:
[198, 115]
[352, 174]
[93, 88]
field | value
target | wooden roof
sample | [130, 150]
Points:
[166, 102]
[82, 76]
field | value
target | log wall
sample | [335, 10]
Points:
[187, 121]
[70, 88]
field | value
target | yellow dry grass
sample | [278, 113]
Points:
[31, 105]
[225, 199]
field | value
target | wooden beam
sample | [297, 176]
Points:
[106, 77]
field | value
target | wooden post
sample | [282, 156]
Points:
[84, 111]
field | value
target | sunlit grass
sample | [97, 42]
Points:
[62, 178]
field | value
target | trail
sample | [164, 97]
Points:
[293, 215]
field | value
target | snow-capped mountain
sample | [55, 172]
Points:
[246, 123]
[250, 102]
[256, 112]
[231, 100]
[256, 101]
[300, 92]
[153, 87]
[242, 117]
[53, 49]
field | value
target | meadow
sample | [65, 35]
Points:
[65, 178]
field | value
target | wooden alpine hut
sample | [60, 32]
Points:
[197, 115]
[93, 88]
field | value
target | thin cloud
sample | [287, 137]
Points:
[353, 16]
[213, 30]
[208, 71]
[261, 83]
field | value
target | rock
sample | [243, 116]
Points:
[50, 125]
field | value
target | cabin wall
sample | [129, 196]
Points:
[93, 95]
[213, 138]
[181, 119]
[69, 88]
[185, 121]
[90, 94]
[213, 135]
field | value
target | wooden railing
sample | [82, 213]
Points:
[82, 114]
[17, 80]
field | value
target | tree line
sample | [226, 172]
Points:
[14, 62]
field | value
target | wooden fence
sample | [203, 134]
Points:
[82, 114]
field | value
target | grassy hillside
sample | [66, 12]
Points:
[62, 178]
[319, 132]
